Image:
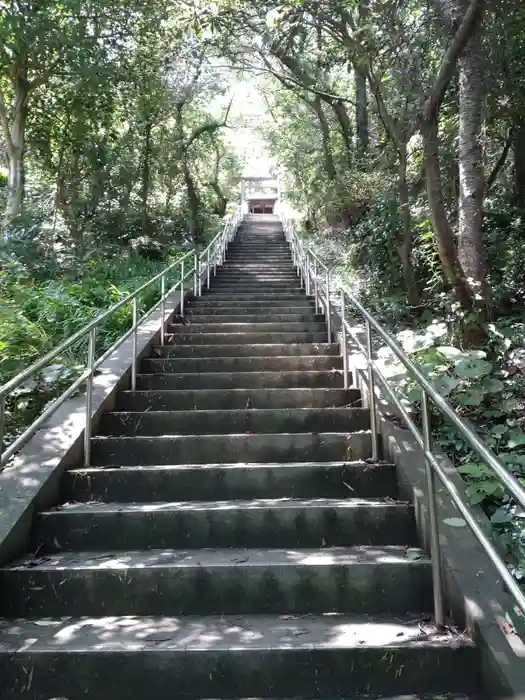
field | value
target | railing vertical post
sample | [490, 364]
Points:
[162, 309]
[344, 341]
[307, 265]
[195, 273]
[134, 345]
[182, 288]
[328, 308]
[2, 424]
[208, 269]
[89, 395]
[372, 393]
[316, 287]
[199, 276]
[435, 550]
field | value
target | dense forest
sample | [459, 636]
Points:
[399, 131]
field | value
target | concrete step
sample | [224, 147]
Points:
[268, 317]
[266, 298]
[207, 449]
[257, 421]
[319, 522]
[242, 364]
[278, 338]
[248, 350]
[239, 327]
[206, 305]
[212, 482]
[369, 580]
[255, 287]
[228, 657]
[209, 399]
[240, 380]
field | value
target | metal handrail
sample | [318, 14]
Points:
[307, 262]
[202, 266]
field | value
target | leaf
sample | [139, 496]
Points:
[445, 384]
[470, 397]
[492, 386]
[454, 522]
[516, 438]
[450, 352]
[473, 368]
[473, 469]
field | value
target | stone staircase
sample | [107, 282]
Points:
[232, 539]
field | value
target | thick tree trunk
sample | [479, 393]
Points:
[14, 134]
[471, 172]
[518, 150]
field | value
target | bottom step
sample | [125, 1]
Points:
[124, 658]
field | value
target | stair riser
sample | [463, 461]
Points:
[222, 483]
[207, 306]
[262, 298]
[390, 524]
[239, 399]
[242, 364]
[236, 674]
[210, 449]
[247, 350]
[241, 380]
[182, 329]
[246, 338]
[369, 588]
[269, 317]
[225, 423]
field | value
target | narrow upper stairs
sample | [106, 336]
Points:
[232, 538]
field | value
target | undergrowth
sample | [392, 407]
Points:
[486, 387]
[41, 307]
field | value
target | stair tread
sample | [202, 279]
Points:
[231, 633]
[244, 465]
[258, 504]
[222, 558]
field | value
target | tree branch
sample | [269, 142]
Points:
[4, 123]
[448, 64]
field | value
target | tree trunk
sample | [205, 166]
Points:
[146, 159]
[442, 230]
[328, 158]
[14, 135]
[471, 173]
[361, 97]
[404, 244]
[345, 126]
[518, 149]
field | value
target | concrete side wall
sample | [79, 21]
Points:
[31, 482]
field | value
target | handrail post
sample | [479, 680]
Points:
[134, 345]
[162, 308]
[344, 341]
[435, 550]
[208, 268]
[316, 287]
[182, 288]
[89, 395]
[307, 265]
[2, 423]
[328, 309]
[199, 276]
[372, 393]
[195, 268]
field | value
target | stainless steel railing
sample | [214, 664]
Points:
[199, 266]
[334, 298]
